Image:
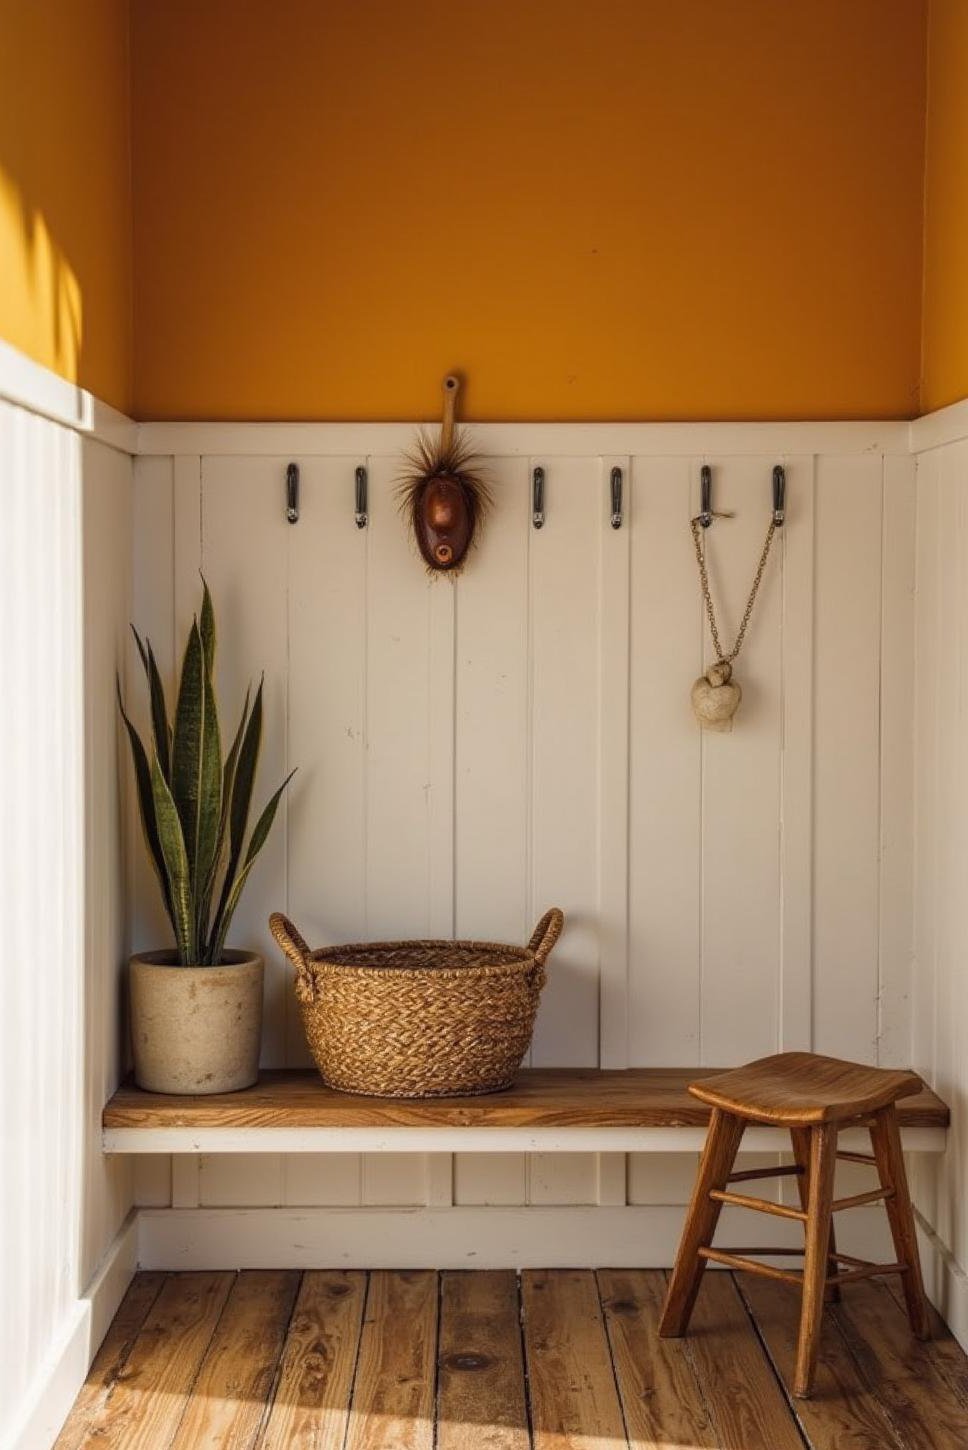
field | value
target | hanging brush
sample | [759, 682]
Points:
[442, 493]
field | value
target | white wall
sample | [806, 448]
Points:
[940, 1017]
[470, 754]
[64, 585]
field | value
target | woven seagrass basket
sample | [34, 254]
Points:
[419, 1019]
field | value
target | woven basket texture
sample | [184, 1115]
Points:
[414, 1019]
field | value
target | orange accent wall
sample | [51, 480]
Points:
[945, 336]
[65, 204]
[627, 209]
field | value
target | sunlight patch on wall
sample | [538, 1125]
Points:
[40, 296]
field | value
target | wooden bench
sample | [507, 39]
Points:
[575, 1110]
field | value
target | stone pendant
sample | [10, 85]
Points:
[715, 697]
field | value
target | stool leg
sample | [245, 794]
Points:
[823, 1161]
[801, 1153]
[722, 1141]
[886, 1141]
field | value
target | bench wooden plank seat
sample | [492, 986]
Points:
[568, 1109]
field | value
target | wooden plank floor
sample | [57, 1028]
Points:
[554, 1359]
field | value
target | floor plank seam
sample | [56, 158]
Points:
[525, 1368]
[351, 1395]
[273, 1390]
[774, 1367]
[611, 1358]
[435, 1429]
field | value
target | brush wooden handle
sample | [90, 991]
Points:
[450, 388]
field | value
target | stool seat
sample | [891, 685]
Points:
[800, 1089]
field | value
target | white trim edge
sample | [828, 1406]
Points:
[945, 425]
[775, 441]
[28, 384]
[60, 1376]
[471, 1140]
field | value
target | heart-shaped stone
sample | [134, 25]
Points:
[715, 697]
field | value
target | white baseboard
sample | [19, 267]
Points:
[945, 1281]
[61, 1375]
[448, 1238]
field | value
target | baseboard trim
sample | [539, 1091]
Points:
[945, 1281]
[59, 1378]
[447, 1238]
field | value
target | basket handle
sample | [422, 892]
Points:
[297, 951]
[545, 934]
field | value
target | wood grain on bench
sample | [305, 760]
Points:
[541, 1097]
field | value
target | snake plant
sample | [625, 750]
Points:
[195, 806]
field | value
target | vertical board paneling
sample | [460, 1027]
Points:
[564, 604]
[928, 654]
[64, 603]
[327, 719]
[471, 751]
[613, 690]
[152, 613]
[939, 980]
[896, 886]
[106, 563]
[41, 805]
[665, 745]
[950, 1007]
[410, 763]
[491, 711]
[244, 555]
[740, 785]
[797, 541]
[403, 788]
[847, 748]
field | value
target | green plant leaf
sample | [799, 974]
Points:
[159, 715]
[209, 809]
[258, 839]
[228, 781]
[207, 629]
[231, 761]
[146, 809]
[141, 648]
[176, 865]
[242, 784]
[188, 743]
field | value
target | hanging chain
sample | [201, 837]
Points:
[722, 658]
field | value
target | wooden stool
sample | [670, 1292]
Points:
[814, 1097]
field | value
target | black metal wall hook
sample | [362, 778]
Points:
[706, 514]
[292, 493]
[362, 516]
[537, 497]
[779, 495]
[615, 486]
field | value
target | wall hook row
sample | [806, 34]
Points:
[616, 500]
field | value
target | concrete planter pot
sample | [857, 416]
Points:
[196, 1029]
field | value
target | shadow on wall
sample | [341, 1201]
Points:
[39, 290]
